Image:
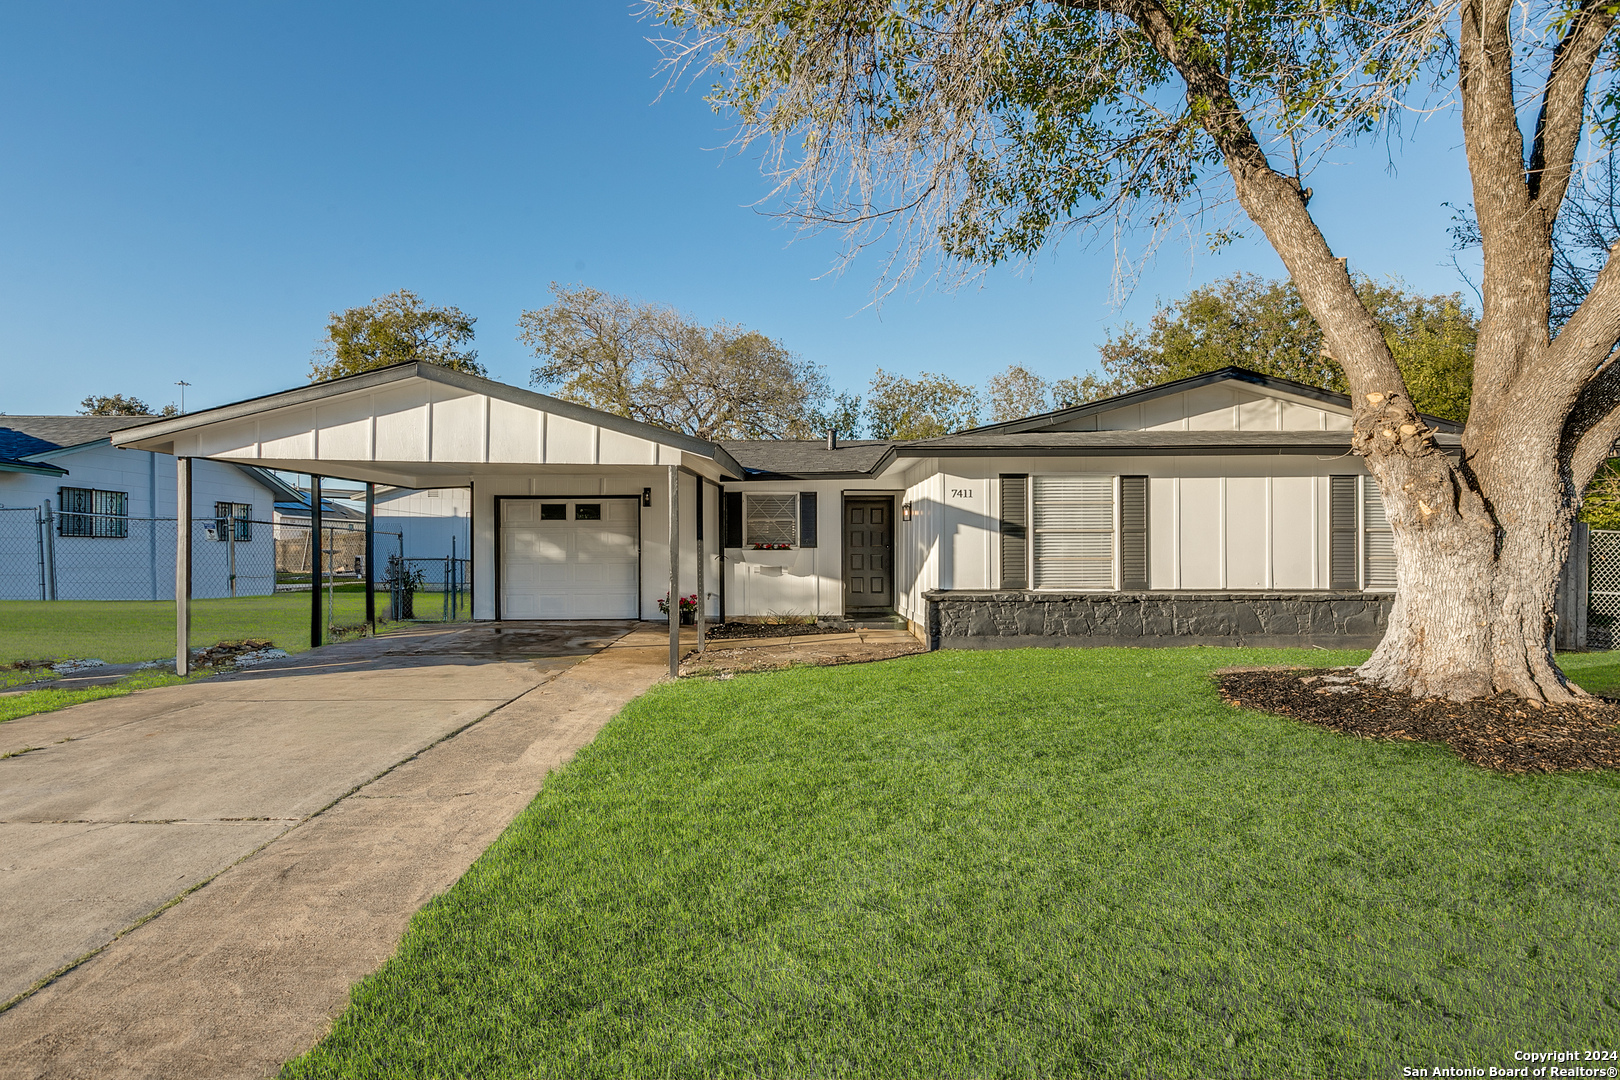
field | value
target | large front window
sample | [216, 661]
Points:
[1377, 539]
[1073, 532]
[772, 519]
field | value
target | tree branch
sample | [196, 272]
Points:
[1593, 425]
[1273, 201]
[1563, 105]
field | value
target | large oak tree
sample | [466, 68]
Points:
[989, 127]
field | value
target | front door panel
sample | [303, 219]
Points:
[868, 554]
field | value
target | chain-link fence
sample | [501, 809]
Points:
[426, 589]
[50, 554]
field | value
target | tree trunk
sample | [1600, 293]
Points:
[1476, 578]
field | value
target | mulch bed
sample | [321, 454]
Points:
[736, 631]
[1504, 733]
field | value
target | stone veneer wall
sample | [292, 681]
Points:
[1004, 620]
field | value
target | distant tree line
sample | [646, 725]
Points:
[653, 363]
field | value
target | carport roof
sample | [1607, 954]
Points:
[189, 432]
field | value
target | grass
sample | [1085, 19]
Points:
[129, 631]
[1023, 863]
[49, 700]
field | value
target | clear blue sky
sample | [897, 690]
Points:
[187, 190]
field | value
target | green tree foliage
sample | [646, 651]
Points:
[1263, 325]
[1017, 392]
[395, 329]
[1601, 507]
[119, 405]
[652, 363]
[922, 408]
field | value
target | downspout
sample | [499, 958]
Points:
[720, 547]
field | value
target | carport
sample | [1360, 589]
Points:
[576, 513]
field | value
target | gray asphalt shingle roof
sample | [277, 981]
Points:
[42, 433]
[807, 457]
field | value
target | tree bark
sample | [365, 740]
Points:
[1480, 540]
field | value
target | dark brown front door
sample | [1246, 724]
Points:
[868, 554]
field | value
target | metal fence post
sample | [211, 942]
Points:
[50, 549]
[39, 542]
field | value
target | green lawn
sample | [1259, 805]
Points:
[127, 631]
[1027, 863]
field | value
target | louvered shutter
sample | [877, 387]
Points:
[1074, 532]
[1133, 532]
[731, 510]
[1014, 531]
[1342, 533]
[1378, 540]
[807, 519]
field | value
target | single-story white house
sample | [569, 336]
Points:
[80, 520]
[1221, 508]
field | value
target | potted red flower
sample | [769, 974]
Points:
[688, 608]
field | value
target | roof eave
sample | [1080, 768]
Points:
[367, 380]
[31, 467]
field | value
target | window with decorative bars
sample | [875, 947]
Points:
[89, 512]
[233, 520]
[772, 519]
[1377, 540]
[1073, 532]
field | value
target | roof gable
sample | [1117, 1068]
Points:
[1231, 399]
[420, 425]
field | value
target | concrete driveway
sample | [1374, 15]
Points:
[321, 801]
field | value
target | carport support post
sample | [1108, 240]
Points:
[674, 604]
[702, 600]
[182, 565]
[316, 559]
[371, 551]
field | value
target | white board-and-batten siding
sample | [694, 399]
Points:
[1216, 408]
[1216, 522]
[396, 428]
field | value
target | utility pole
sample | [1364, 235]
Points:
[182, 384]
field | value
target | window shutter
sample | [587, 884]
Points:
[731, 510]
[807, 519]
[1014, 531]
[700, 483]
[1378, 540]
[1133, 532]
[1342, 533]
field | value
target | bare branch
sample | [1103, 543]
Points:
[1563, 105]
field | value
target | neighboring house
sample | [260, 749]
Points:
[81, 520]
[343, 526]
[423, 524]
[1221, 508]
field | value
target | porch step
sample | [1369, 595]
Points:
[878, 622]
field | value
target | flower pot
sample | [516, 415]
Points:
[688, 618]
[771, 557]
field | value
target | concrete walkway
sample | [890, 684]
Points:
[321, 802]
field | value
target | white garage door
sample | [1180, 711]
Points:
[569, 559]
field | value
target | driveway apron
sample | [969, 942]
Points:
[295, 817]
